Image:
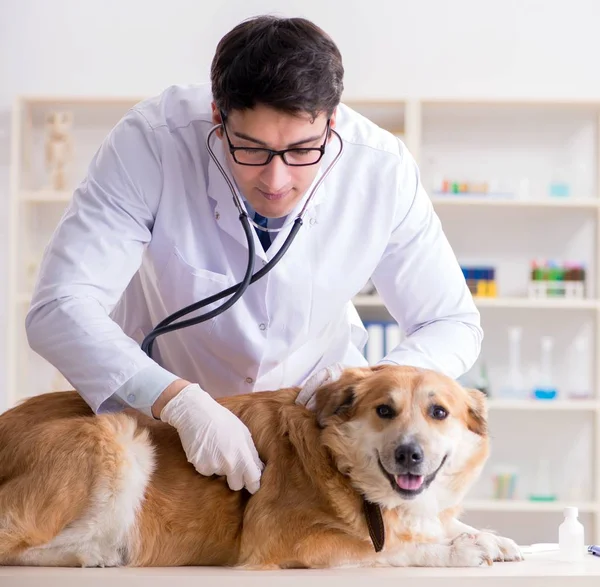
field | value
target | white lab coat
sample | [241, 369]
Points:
[153, 228]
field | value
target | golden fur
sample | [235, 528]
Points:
[116, 489]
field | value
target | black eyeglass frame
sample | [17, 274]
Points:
[272, 153]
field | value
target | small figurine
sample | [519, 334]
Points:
[59, 147]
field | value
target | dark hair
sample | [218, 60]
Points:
[289, 64]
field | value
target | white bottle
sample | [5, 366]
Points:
[571, 543]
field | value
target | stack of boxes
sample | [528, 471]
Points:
[481, 281]
[552, 280]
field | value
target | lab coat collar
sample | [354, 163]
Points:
[226, 213]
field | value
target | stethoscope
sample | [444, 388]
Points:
[237, 290]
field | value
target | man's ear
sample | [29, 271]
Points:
[216, 119]
[477, 412]
[332, 121]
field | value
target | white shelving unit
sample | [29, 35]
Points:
[374, 301]
[493, 138]
[35, 209]
[519, 139]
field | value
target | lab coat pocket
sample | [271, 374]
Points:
[181, 284]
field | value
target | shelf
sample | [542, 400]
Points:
[523, 505]
[539, 303]
[544, 405]
[46, 196]
[490, 201]
[374, 301]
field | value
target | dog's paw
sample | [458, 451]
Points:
[466, 551]
[499, 549]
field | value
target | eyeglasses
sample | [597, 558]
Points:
[256, 156]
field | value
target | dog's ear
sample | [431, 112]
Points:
[477, 412]
[338, 398]
[334, 399]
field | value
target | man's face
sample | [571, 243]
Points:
[273, 189]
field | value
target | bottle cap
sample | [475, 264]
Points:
[571, 512]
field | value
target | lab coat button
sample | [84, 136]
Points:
[262, 326]
[313, 221]
[131, 398]
[217, 215]
[249, 380]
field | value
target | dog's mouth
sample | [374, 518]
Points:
[409, 485]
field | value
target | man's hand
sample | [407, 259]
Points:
[214, 439]
[307, 395]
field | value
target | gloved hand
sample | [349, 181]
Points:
[307, 395]
[214, 439]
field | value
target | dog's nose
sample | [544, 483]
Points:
[409, 454]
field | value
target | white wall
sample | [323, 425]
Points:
[394, 48]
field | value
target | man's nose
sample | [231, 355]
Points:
[276, 175]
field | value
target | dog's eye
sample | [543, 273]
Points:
[438, 412]
[385, 411]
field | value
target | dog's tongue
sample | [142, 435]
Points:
[409, 482]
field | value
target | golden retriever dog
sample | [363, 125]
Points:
[373, 476]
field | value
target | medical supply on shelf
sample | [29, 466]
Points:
[542, 490]
[449, 186]
[460, 187]
[504, 482]
[545, 388]
[477, 377]
[383, 337]
[559, 189]
[578, 381]
[549, 279]
[481, 280]
[571, 537]
[514, 386]
[559, 186]
[481, 380]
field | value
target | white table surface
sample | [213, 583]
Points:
[538, 570]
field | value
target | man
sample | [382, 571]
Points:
[153, 228]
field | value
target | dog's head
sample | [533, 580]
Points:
[402, 432]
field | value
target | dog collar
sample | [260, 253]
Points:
[374, 523]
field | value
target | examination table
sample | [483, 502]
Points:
[539, 569]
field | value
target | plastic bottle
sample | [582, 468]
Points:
[514, 386]
[543, 486]
[579, 380]
[571, 542]
[545, 389]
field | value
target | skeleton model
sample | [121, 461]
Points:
[59, 147]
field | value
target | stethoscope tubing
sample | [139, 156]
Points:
[167, 324]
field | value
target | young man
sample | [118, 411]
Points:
[153, 228]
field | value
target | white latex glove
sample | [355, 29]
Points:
[307, 396]
[214, 439]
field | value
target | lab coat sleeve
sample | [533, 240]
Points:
[90, 259]
[423, 287]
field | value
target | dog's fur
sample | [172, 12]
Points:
[79, 489]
